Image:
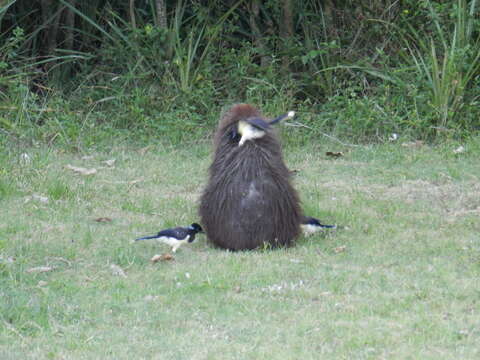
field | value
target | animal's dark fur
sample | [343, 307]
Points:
[249, 200]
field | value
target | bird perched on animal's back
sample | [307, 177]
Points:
[176, 237]
[311, 225]
[255, 127]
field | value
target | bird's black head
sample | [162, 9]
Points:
[196, 227]
[311, 221]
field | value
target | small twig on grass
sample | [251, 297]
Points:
[89, 339]
[60, 259]
[133, 182]
[441, 129]
[297, 124]
[121, 182]
[12, 329]
[40, 269]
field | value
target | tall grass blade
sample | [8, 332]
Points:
[87, 19]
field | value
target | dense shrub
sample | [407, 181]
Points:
[77, 71]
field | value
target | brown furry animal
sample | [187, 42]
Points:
[248, 201]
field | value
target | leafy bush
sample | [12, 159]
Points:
[355, 69]
[448, 67]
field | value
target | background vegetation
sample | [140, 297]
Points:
[165, 68]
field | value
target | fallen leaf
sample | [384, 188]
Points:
[133, 182]
[163, 257]
[82, 171]
[296, 261]
[334, 154]
[110, 162]
[58, 258]
[339, 249]
[103, 219]
[143, 150]
[459, 150]
[25, 158]
[42, 283]
[413, 144]
[167, 257]
[40, 269]
[42, 199]
[117, 271]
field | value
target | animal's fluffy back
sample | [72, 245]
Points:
[249, 199]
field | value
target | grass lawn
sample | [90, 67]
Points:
[400, 281]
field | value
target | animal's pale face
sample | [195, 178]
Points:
[248, 132]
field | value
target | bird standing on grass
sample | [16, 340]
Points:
[310, 225]
[176, 237]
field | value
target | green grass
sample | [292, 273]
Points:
[405, 287]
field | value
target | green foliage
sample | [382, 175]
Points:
[191, 51]
[358, 70]
[58, 190]
[450, 67]
[320, 52]
[6, 188]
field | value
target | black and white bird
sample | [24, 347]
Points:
[310, 225]
[255, 128]
[176, 237]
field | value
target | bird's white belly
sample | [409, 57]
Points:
[168, 241]
[174, 243]
[310, 229]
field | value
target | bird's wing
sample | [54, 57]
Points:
[177, 233]
[308, 220]
[259, 123]
[147, 237]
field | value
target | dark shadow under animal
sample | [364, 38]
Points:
[249, 201]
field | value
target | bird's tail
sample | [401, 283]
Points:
[323, 226]
[147, 237]
[288, 115]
